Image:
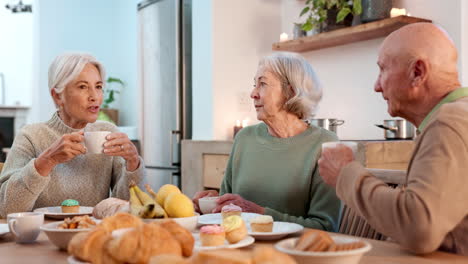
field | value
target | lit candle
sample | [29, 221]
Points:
[237, 128]
[245, 122]
[397, 12]
[283, 37]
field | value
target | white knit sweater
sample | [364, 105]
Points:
[87, 178]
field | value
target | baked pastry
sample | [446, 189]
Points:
[314, 240]
[109, 207]
[268, 255]
[89, 246]
[70, 206]
[212, 235]
[182, 235]
[262, 223]
[224, 256]
[120, 220]
[235, 228]
[139, 244]
[230, 209]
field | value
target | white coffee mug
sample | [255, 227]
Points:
[25, 227]
[350, 144]
[94, 141]
[207, 204]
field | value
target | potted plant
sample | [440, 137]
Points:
[114, 86]
[330, 14]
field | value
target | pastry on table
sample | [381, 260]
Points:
[235, 228]
[89, 246]
[265, 254]
[314, 240]
[262, 223]
[169, 259]
[70, 206]
[109, 207]
[230, 209]
[182, 235]
[139, 244]
[120, 220]
[212, 235]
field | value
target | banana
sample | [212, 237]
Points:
[150, 191]
[150, 209]
[135, 204]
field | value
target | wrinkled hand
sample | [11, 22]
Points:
[247, 206]
[62, 150]
[198, 195]
[118, 144]
[332, 161]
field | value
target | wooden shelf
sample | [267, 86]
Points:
[347, 35]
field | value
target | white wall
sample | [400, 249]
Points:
[106, 28]
[16, 52]
[229, 38]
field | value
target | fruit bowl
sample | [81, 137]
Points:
[60, 237]
[189, 223]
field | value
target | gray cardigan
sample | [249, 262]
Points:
[87, 178]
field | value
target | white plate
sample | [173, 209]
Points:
[73, 260]
[55, 212]
[4, 229]
[243, 243]
[217, 219]
[280, 229]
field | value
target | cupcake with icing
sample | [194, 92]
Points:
[235, 228]
[230, 209]
[262, 223]
[70, 206]
[212, 235]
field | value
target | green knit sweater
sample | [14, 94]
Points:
[281, 174]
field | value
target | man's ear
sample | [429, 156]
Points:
[419, 72]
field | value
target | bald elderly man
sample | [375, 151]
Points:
[419, 80]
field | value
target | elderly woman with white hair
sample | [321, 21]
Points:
[48, 162]
[273, 168]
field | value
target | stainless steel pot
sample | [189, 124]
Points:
[327, 123]
[398, 129]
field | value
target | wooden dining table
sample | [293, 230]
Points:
[44, 252]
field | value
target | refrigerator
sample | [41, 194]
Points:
[164, 59]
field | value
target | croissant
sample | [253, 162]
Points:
[138, 245]
[182, 235]
[120, 220]
[109, 207]
[88, 246]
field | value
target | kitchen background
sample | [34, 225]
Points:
[228, 39]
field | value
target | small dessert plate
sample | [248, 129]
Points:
[280, 229]
[248, 240]
[55, 212]
[4, 229]
[217, 219]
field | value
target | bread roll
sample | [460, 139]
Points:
[182, 235]
[169, 259]
[109, 207]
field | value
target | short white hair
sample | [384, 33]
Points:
[66, 67]
[295, 71]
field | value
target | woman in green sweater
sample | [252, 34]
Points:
[273, 165]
